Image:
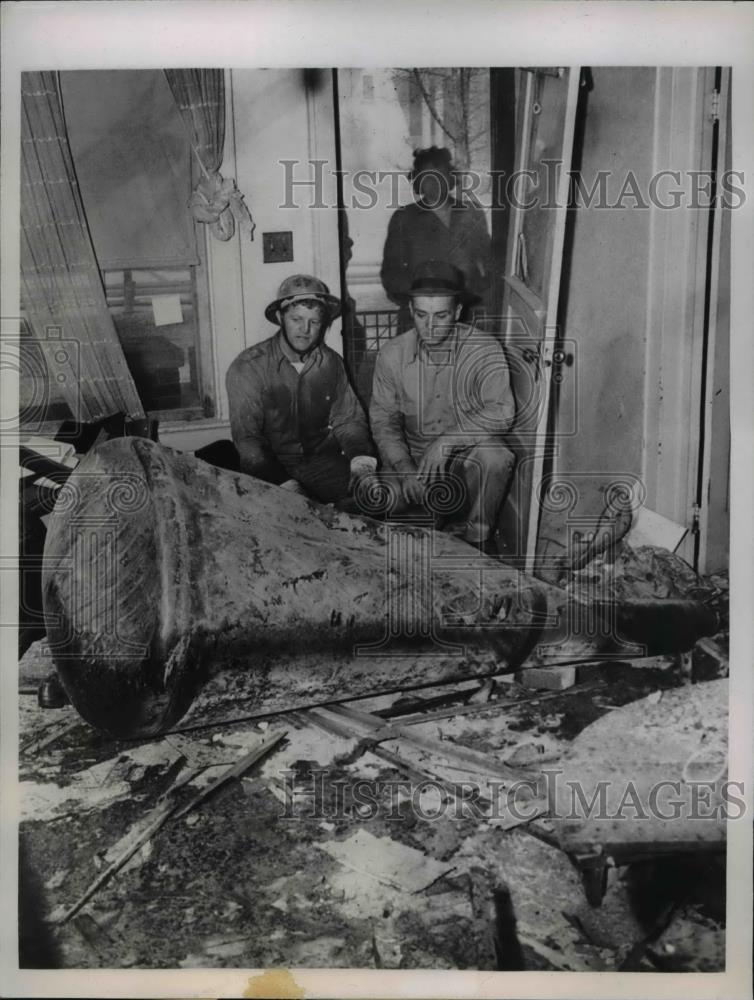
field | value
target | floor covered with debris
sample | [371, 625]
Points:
[368, 834]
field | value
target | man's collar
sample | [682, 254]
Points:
[315, 355]
[418, 346]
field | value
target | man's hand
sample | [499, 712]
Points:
[293, 486]
[412, 488]
[434, 460]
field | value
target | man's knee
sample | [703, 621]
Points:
[492, 457]
[324, 477]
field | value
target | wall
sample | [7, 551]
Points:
[606, 296]
[283, 115]
[677, 263]
[635, 300]
[273, 115]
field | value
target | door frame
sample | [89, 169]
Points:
[541, 315]
[714, 479]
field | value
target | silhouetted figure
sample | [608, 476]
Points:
[438, 226]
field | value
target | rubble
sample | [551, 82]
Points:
[410, 827]
[394, 888]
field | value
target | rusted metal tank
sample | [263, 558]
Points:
[177, 591]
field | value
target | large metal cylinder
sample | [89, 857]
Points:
[174, 590]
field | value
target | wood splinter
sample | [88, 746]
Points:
[171, 810]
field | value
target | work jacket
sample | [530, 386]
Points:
[416, 234]
[460, 390]
[275, 411]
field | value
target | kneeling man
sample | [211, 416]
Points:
[294, 417]
[442, 404]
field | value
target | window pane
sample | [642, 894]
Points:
[154, 311]
[133, 165]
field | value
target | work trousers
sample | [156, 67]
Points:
[324, 477]
[467, 498]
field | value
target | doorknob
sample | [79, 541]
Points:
[561, 357]
[557, 358]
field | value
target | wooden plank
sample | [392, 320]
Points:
[420, 704]
[494, 705]
[453, 752]
[263, 747]
[160, 815]
[415, 771]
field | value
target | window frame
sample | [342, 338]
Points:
[203, 344]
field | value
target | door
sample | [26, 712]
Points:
[545, 120]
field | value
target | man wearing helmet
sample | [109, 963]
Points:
[294, 417]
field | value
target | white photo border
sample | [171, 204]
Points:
[290, 33]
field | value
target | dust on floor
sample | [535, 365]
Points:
[343, 848]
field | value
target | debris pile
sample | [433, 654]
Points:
[401, 831]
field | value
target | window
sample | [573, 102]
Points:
[156, 315]
[134, 168]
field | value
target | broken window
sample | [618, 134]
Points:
[133, 165]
